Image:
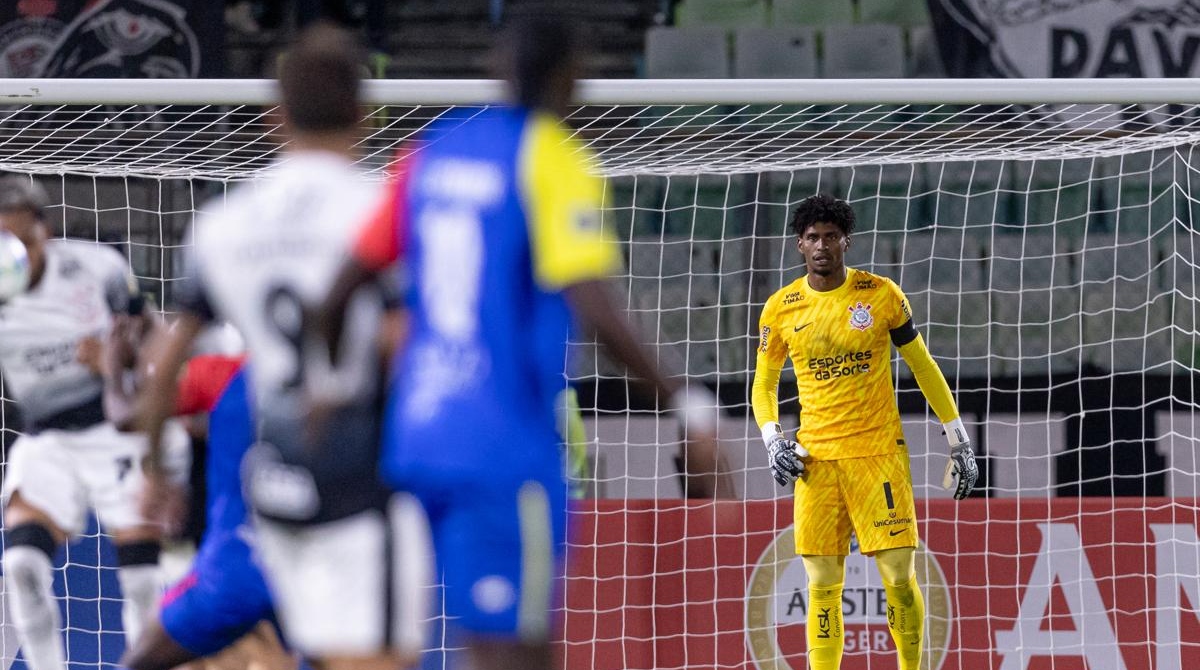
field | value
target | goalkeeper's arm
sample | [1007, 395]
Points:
[937, 392]
[784, 455]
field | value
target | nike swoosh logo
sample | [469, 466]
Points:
[894, 533]
[800, 328]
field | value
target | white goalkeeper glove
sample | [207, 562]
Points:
[785, 456]
[961, 470]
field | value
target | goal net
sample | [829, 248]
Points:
[1044, 234]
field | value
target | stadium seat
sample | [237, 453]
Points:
[957, 261]
[916, 261]
[1023, 330]
[924, 59]
[775, 53]
[1064, 327]
[863, 51]
[724, 13]
[816, 13]
[881, 195]
[1098, 257]
[1180, 254]
[903, 13]
[1025, 262]
[956, 328]
[944, 260]
[687, 53]
[874, 251]
[1126, 329]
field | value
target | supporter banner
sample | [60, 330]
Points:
[111, 38]
[1067, 38]
[1104, 584]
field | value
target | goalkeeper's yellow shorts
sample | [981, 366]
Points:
[871, 495]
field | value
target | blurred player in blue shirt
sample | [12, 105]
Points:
[224, 596]
[497, 222]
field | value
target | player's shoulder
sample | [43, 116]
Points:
[92, 256]
[864, 280]
[466, 115]
[791, 293]
[206, 379]
[472, 130]
[877, 289]
[223, 211]
[550, 134]
[551, 125]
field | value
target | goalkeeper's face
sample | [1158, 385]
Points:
[824, 246]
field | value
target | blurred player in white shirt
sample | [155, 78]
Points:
[68, 458]
[348, 565]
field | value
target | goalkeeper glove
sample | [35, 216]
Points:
[963, 468]
[785, 456]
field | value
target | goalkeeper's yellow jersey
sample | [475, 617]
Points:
[840, 347]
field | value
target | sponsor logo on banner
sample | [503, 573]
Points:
[777, 608]
[1035, 584]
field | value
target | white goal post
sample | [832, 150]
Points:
[1045, 231]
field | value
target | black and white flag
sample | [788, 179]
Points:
[1068, 38]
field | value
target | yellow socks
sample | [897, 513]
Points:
[906, 620]
[824, 630]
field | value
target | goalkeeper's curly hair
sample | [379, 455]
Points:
[822, 208]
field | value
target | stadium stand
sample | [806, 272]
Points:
[776, 52]
[687, 53]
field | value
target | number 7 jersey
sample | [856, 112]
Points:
[840, 346]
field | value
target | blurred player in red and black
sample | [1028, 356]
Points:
[223, 598]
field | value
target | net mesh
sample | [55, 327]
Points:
[1049, 253]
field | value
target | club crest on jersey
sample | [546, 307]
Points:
[860, 316]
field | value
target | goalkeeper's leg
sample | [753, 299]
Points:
[824, 632]
[906, 606]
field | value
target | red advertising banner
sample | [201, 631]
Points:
[1010, 584]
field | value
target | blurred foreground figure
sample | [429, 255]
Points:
[347, 562]
[221, 609]
[70, 458]
[497, 222]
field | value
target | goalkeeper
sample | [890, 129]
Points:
[850, 465]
